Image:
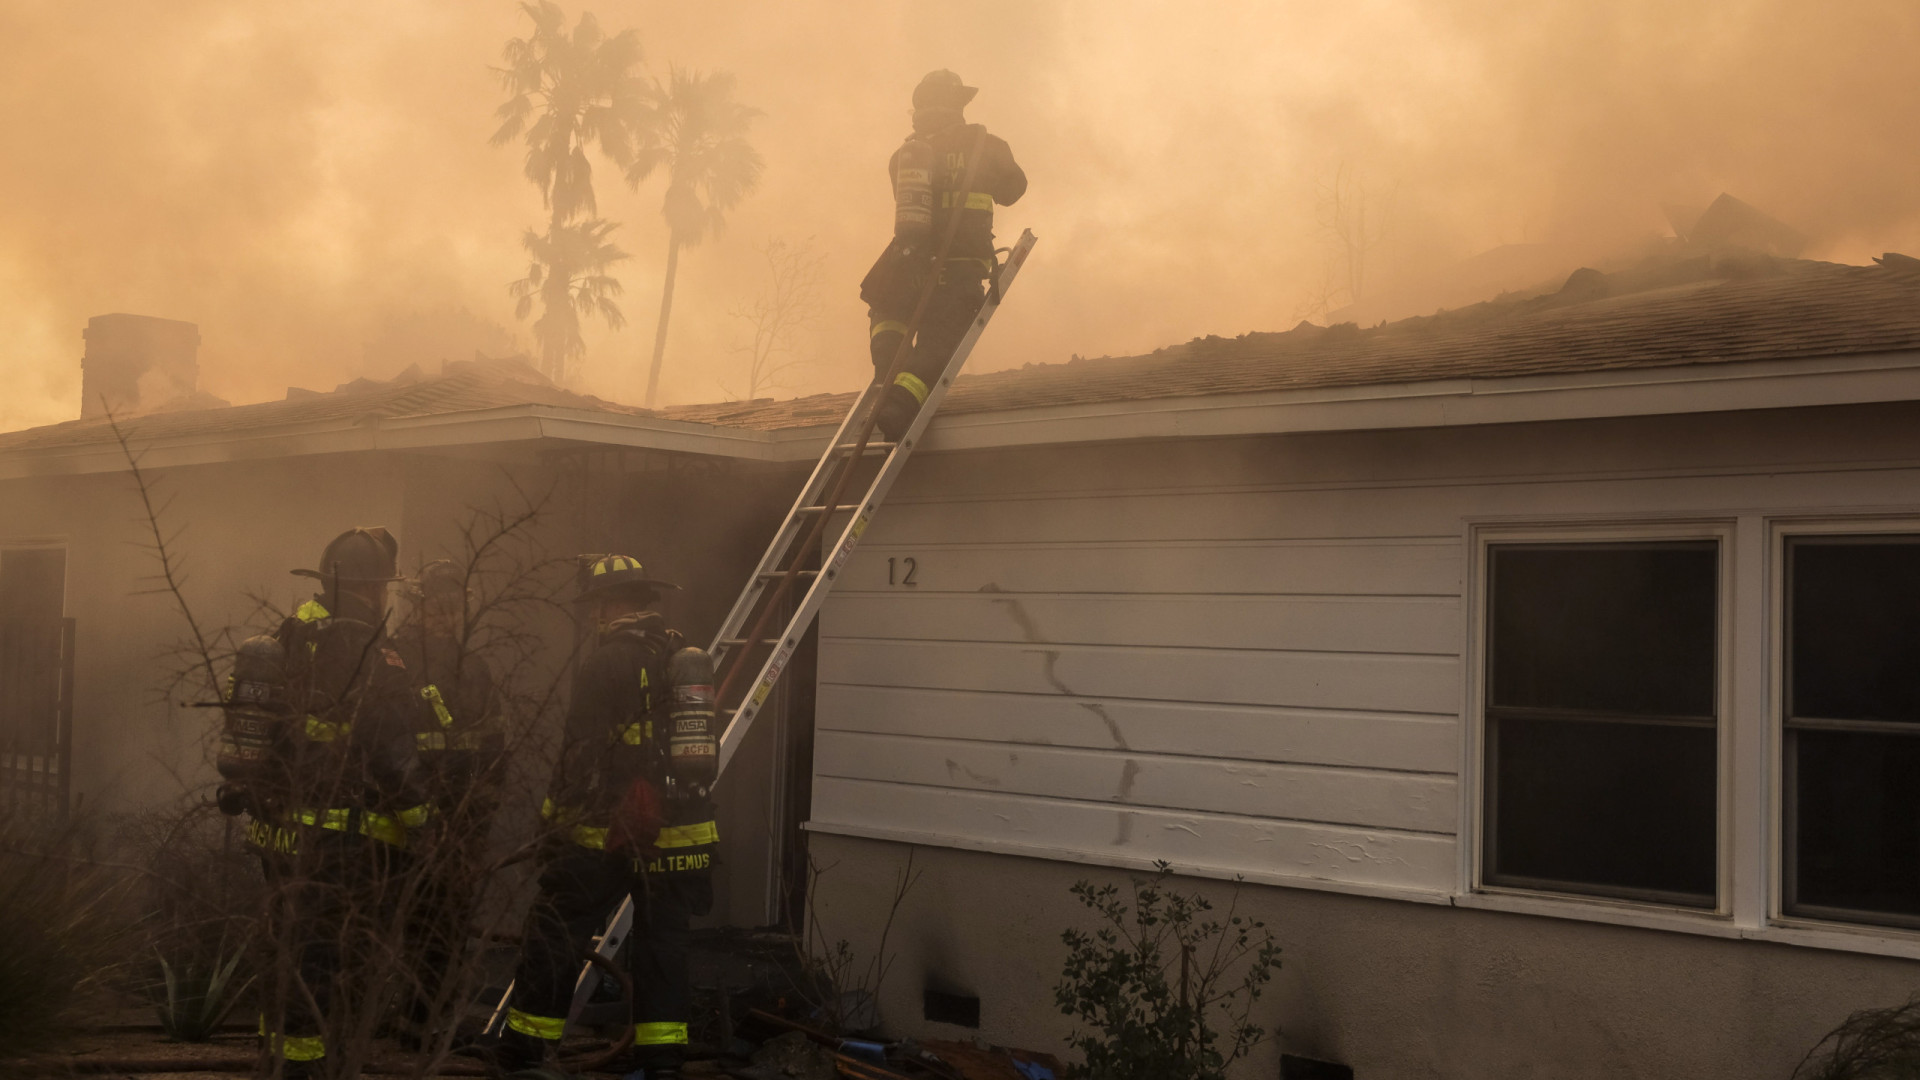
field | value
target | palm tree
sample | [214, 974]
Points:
[568, 93]
[569, 276]
[698, 134]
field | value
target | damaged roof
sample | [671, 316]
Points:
[463, 386]
[1709, 310]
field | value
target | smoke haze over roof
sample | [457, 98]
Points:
[311, 183]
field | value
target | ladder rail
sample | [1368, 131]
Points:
[860, 515]
[786, 536]
[844, 475]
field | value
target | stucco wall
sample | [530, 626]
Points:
[1398, 990]
[237, 529]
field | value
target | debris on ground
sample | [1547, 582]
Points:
[795, 1055]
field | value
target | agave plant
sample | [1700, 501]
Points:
[198, 1000]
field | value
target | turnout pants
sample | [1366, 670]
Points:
[956, 299]
[579, 889]
[330, 893]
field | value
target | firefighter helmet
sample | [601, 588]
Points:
[942, 89]
[438, 578]
[604, 575]
[358, 557]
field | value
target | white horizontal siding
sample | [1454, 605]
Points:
[1252, 680]
[1415, 802]
[1217, 843]
[1371, 682]
[1408, 743]
[1406, 625]
[1415, 567]
[1242, 656]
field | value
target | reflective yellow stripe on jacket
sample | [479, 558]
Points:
[975, 200]
[388, 829]
[319, 730]
[595, 837]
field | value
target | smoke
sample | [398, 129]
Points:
[310, 181]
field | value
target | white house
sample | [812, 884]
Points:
[1549, 671]
[1545, 669]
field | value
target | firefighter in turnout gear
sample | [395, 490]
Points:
[318, 751]
[929, 177]
[462, 752]
[630, 815]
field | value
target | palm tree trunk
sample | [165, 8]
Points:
[666, 310]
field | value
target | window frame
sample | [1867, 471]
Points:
[1780, 854]
[1476, 774]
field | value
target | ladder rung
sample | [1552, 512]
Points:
[736, 642]
[874, 446]
[769, 575]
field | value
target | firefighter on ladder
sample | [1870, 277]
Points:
[629, 813]
[928, 173]
[317, 749]
[462, 752]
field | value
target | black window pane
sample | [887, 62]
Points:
[32, 583]
[1857, 821]
[1610, 805]
[1855, 611]
[1621, 628]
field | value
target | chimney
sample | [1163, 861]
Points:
[137, 363]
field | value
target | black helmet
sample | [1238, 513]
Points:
[438, 578]
[942, 90]
[603, 575]
[358, 557]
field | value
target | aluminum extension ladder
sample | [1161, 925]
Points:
[782, 564]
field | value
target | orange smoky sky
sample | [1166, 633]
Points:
[310, 180]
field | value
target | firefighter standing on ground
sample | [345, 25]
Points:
[632, 817]
[928, 174]
[318, 750]
[462, 751]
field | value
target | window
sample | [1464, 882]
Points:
[36, 679]
[1852, 729]
[1601, 771]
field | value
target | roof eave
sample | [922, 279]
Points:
[527, 425]
[1691, 388]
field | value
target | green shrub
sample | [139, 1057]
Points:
[1166, 990]
[198, 996]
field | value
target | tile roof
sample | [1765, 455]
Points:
[1705, 310]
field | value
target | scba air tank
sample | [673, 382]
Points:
[693, 749]
[255, 711]
[913, 194]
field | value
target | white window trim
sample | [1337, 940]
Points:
[1779, 530]
[1752, 804]
[1473, 892]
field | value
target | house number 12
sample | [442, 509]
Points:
[901, 571]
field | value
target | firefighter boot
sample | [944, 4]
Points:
[517, 1054]
[899, 406]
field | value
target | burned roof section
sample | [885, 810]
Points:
[1719, 309]
[1702, 310]
[462, 386]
